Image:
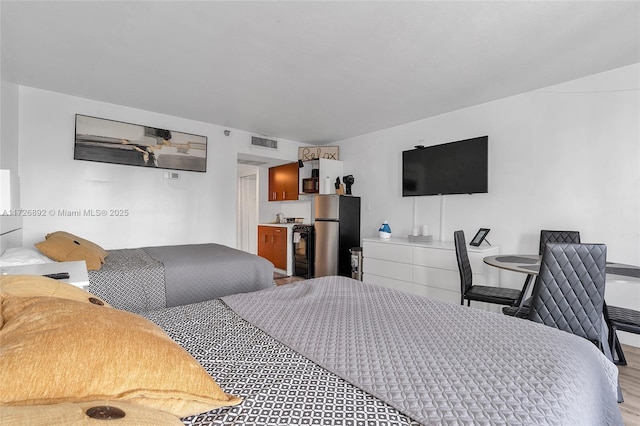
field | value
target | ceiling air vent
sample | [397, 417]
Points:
[251, 162]
[265, 143]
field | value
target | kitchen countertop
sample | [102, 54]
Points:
[285, 225]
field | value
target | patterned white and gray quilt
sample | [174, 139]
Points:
[337, 351]
[278, 385]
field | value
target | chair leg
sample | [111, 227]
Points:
[523, 293]
[612, 339]
[618, 349]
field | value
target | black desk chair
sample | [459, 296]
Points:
[620, 319]
[546, 237]
[479, 293]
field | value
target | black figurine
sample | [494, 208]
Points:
[338, 182]
[348, 181]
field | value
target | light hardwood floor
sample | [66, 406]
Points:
[629, 376]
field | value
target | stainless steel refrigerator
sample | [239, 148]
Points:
[337, 226]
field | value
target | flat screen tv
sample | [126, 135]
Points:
[451, 168]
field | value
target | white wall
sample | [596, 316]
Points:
[8, 126]
[199, 207]
[9, 161]
[565, 157]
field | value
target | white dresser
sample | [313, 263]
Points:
[425, 269]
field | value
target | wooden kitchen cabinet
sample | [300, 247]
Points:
[283, 182]
[272, 245]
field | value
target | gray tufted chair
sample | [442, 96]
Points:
[568, 293]
[479, 293]
[546, 236]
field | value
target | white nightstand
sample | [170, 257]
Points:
[77, 270]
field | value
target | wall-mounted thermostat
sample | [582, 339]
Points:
[171, 175]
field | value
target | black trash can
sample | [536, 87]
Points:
[356, 263]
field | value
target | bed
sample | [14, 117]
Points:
[141, 279]
[348, 352]
[333, 350]
[156, 277]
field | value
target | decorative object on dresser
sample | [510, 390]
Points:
[480, 236]
[385, 230]
[420, 238]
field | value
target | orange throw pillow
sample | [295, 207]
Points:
[65, 247]
[55, 350]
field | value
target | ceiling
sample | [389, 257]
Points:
[314, 72]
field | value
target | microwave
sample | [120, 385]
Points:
[310, 185]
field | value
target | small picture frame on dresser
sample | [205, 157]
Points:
[479, 237]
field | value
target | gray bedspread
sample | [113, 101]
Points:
[197, 272]
[278, 386]
[143, 279]
[438, 363]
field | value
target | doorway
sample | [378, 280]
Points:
[248, 213]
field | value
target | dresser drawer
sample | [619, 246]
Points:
[435, 258]
[385, 268]
[439, 278]
[386, 251]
